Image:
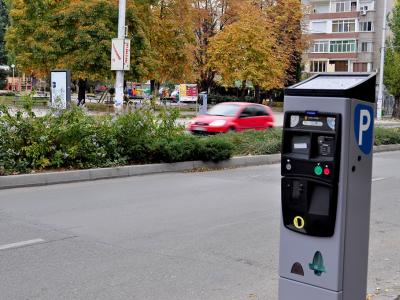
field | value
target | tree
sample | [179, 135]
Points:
[3, 55]
[211, 17]
[287, 16]
[71, 34]
[250, 50]
[172, 41]
[3, 25]
[392, 60]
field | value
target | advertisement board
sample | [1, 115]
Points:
[127, 55]
[188, 93]
[120, 54]
[60, 88]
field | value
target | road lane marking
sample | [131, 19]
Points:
[21, 244]
[378, 179]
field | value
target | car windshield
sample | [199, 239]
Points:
[225, 110]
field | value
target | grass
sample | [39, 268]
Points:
[18, 101]
[387, 136]
[255, 142]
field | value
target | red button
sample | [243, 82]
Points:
[327, 171]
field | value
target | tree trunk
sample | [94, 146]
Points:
[206, 81]
[396, 107]
[243, 90]
[257, 93]
[152, 87]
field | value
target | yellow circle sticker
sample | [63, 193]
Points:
[298, 222]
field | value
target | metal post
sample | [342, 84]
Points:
[382, 66]
[119, 81]
[13, 81]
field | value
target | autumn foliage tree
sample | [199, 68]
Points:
[260, 46]
[172, 41]
[69, 34]
[211, 17]
[286, 17]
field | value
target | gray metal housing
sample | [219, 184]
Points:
[346, 252]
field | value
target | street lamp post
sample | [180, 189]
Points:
[13, 81]
[382, 66]
[119, 81]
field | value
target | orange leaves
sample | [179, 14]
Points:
[172, 41]
[257, 47]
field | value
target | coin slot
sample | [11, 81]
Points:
[297, 269]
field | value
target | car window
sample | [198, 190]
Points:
[260, 111]
[226, 110]
[247, 112]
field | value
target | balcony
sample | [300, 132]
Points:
[335, 35]
[334, 15]
[342, 55]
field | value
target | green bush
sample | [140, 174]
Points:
[71, 139]
[387, 136]
[176, 149]
[215, 149]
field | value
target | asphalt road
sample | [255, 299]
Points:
[211, 235]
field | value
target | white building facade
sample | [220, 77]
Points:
[345, 35]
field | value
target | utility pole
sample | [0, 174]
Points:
[382, 67]
[119, 81]
[13, 82]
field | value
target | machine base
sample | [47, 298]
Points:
[293, 290]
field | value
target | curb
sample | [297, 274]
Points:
[29, 180]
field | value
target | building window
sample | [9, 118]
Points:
[319, 27]
[342, 46]
[320, 47]
[318, 66]
[353, 6]
[366, 47]
[344, 26]
[340, 6]
[340, 65]
[360, 67]
[366, 26]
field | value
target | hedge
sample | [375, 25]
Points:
[71, 139]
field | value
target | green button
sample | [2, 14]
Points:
[318, 170]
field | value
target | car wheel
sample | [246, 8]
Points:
[231, 129]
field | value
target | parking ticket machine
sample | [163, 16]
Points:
[311, 162]
[326, 171]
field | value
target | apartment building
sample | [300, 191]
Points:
[345, 35]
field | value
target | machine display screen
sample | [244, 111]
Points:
[305, 121]
[301, 144]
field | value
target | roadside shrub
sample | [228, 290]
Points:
[387, 136]
[176, 149]
[215, 149]
[82, 141]
[71, 139]
[138, 133]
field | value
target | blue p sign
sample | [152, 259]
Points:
[363, 127]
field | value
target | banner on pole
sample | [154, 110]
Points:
[120, 54]
[127, 55]
[117, 55]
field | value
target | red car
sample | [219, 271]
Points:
[233, 116]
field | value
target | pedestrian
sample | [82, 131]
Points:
[81, 91]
